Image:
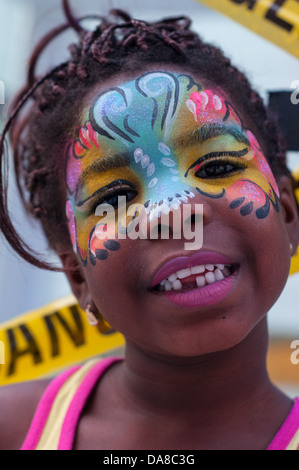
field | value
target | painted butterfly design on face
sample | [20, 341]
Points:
[159, 140]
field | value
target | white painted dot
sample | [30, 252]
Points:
[192, 107]
[217, 102]
[145, 161]
[168, 162]
[164, 149]
[138, 154]
[152, 182]
[150, 169]
[205, 100]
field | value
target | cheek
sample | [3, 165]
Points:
[248, 197]
[270, 239]
[257, 190]
[102, 242]
[261, 163]
[96, 241]
[112, 280]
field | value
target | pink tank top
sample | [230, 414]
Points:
[56, 418]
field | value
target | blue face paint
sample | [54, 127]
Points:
[151, 139]
[139, 118]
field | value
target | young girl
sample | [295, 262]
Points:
[150, 113]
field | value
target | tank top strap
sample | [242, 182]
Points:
[55, 421]
[287, 437]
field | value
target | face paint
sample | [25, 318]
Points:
[159, 140]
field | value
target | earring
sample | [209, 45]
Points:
[291, 249]
[92, 319]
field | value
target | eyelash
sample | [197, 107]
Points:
[104, 199]
[236, 165]
[210, 163]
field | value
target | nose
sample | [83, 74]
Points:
[208, 204]
[184, 221]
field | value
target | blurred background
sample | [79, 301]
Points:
[269, 68]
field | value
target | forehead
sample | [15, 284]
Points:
[154, 105]
[151, 117]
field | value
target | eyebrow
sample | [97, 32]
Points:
[101, 165]
[207, 132]
[239, 154]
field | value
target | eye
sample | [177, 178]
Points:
[218, 168]
[107, 195]
[218, 164]
[111, 198]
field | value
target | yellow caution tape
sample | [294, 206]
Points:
[275, 20]
[294, 264]
[49, 339]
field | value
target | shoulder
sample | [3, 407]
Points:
[18, 403]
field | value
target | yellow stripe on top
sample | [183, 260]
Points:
[50, 436]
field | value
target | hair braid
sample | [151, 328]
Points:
[119, 43]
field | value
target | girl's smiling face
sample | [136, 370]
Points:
[164, 140]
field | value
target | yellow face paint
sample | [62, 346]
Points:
[159, 140]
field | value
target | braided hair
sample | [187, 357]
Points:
[118, 44]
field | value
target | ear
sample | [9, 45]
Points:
[290, 210]
[74, 271]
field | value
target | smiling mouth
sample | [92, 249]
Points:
[195, 277]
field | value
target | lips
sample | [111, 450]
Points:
[183, 262]
[205, 292]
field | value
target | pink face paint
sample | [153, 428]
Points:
[262, 162]
[71, 224]
[164, 139]
[88, 138]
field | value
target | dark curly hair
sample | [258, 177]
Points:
[39, 131]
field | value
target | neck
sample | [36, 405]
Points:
[223, 380]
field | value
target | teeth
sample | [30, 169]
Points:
[177, 285]
[215, 273]
[226, 271]
[173, 277]
[198, 269]
[210, 267]
[219, 266]
[200, 281]
[184, 273]
[218, 275]
[210, 278]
